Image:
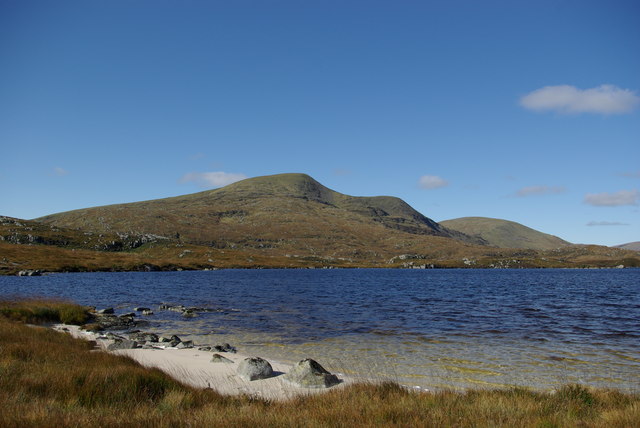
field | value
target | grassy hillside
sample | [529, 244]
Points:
[504, 233]
[290, 213]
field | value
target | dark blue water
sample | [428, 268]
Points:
[533, 317]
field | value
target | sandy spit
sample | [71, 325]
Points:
[195, 368]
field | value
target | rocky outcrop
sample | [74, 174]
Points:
[309, 374]
[254, 368]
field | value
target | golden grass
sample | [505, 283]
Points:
[49, 379]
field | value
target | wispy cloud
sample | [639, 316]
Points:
[60, 172]
[634, 174]
[212, 179]
[432, 182]
[606, 223]
[539, 190]
[621, 198]
[604, 99]
[340, 172]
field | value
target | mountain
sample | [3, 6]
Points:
[633, 246]
[279, 221]
[504, 233]
[288, 212]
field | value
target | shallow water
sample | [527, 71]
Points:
[424, 328]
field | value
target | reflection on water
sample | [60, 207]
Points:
[432, 329]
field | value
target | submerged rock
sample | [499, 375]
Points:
[254, 368]
[309, 374]
[217, 358]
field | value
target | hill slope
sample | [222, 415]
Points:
[283, 213]
[504, 233]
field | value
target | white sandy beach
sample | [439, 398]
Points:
[195, 368]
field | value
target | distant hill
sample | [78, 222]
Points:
[633, 246]
[504, 233]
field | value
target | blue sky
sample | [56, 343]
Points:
[527, 111]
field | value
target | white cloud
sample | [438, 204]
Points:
[606, 223]
[539, 190]
[212, 179]
[623, 197]
[60, 172]
[604, 99]
[432, 182]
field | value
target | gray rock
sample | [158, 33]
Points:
[254, 368]
[146, 337]
[106, 311]
[122, 344]
[224, 348]
[309, 374]
[141, 309]
[185, 344]
[147, 312]
[204, 348]
[128, 315]
[217, 358]
[188, 313]
[108, 321]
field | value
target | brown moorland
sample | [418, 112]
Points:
[281, 221]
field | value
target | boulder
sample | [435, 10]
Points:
[254, 368]
[309, 374]
[141, 309]
[217, 358]
[106, 311]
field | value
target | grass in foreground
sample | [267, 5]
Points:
[50, 379]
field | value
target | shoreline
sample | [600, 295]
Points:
[194, 367]
[43, 272]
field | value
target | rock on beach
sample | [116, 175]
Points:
[254, 368]
[309, 374]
